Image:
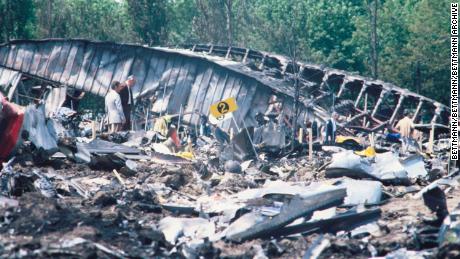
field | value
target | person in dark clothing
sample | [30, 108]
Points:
[127, 100]
[205, 129]
[314, 129]
[72, 100]
[260, 118]
[331, 127]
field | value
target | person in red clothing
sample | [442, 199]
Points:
[11, 119]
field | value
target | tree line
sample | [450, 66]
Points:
[405, 42]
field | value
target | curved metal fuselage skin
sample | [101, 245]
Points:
[191, 78]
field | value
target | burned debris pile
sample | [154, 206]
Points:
[212, 162]
[90, 196]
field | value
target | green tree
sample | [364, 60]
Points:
[181, 14]
[323, 29]
[429, 45]
[392, 27]
[16, 19]
[149, 20]
[98, 20]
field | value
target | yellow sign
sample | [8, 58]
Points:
[223, 107]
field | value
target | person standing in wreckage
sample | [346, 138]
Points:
[127, 100]
[330, 129]
[113, 108]
[275, 106]
[405, 127]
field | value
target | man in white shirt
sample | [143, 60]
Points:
[113, 108]
[405, 127]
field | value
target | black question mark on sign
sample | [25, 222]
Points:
[223, 107]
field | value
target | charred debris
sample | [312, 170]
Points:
[180, 185]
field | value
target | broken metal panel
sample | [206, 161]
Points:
[139, 68]
[183, 88]
[165, 82]
[92, 71]
[105, 147]
[220, 87]
[44, 59]
[240, 97]
[86, 63]
[345, 221]
[157, 64]
[298, 207]
[54, 100]
[1, 73]
[52, 61]
[28, 55]
[260, 99]
[105, 72]
[171, 83]
[19, 57]
[98, 87]
[9, 80]
[202, 89]
[209, 94]
[11, 56]
[72, 78]
[237, 85]
[15, 80]
[123, 67]
[194, 93]
[233, 87]
[61, 62]
[151, 63]
[35, 60]
[164, 78]
[248, 103]
[3, 55]
[67, 63]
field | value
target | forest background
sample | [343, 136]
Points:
[405, 42]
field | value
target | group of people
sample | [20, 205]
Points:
[118, 104]
[326, 132]
[275, 115]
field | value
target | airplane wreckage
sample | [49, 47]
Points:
[128, 195]
[192, 77]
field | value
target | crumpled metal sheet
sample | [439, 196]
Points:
[297, 207]
[384, 167]
[415, 166]
[362, 191]
[194, 228]
[54, 100]
[9, 79]
[105, 147]
[35, 124]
